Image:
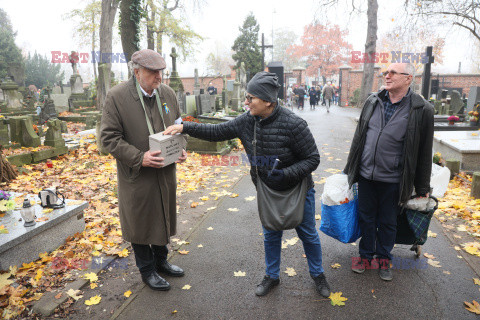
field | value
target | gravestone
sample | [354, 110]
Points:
[175, 82]
[53, 137]
[64, 127]
[4, 136]
[230, 85]
[21, 131]
[48, 109]
[181, 102]
[473, 98]
[196, 85]
[60, 100]
[456, 102]
[235, 103]
[206, 103]
[11, 95]
[191, 105]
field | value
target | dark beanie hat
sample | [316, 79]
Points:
[264, 85]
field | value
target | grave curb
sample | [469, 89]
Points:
[48, 303]
[175, 249]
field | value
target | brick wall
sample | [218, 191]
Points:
[189, 82]
[352, 79]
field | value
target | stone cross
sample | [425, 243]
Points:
[196, 85]
[174, 56]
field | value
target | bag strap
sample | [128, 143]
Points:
[140, 95]
[254, 144]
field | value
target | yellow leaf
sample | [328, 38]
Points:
[204, 198]
[429, 256]
[127, 293]
[476, 281]
[4, 280]
[200, 246]
[183, 251]
[336, 299]
[335, 265]
[93, 285]
[292, 241]
[446, 272]
[473, 307]
[233, 195]
[93, 300]
[433, 263]
[186, 287]
[194, 204]
[123, 253]
[233, 209]
[239, 273]
[91, 276]
[251, 198]
[210, 228]
[211, 208]
[75, 294]
[47, 210]
[174, 311]
[318, 217]
[291, 272]
[39, 274]
[431, 234]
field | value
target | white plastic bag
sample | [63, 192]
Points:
[336, 190]
[421, 204]
[439, 180]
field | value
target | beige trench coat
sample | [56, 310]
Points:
[146, 196]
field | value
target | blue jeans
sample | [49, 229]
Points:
[306, 231]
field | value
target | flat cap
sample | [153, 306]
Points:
[149, 59]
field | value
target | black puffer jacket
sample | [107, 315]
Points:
[417, 146]
[281, 135]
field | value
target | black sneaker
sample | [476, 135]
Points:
[321, 285]
[385, 271]
[266, 285]
[358, 264]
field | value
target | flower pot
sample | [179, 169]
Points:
[473, 123]
[451, 123]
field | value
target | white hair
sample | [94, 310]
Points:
[410, 68]
[133, 65]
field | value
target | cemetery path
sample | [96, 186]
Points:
[231, 242]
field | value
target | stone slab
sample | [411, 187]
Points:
[459, 145]
[60, 100]
[23, 244]
[41, 155]
[459, 126]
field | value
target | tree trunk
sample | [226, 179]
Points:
[93, 44]
[370, 47]
[109, 9]
[150, 27]
[127, 30]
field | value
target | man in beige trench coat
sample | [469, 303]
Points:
[146, 188]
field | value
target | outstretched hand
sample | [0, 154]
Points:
[173, 129]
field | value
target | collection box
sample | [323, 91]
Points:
[171, 146]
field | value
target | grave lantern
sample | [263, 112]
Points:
[28, 213]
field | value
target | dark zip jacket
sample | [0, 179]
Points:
[281, 135]
[417, 146]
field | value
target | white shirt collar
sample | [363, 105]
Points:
[146, 94]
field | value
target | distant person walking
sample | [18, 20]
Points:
[301, 97]
[328, 93]
[313, 97]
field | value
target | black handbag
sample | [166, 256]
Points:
[279, 210]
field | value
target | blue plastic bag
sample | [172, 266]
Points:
[341, 222]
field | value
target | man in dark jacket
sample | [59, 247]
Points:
[390, 157]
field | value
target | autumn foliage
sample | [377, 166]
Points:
[322, 47]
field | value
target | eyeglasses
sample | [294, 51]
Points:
[249, 98]
[393, 73]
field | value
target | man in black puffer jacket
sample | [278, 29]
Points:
[391, 154]
[282, 135]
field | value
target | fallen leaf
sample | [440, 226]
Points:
[457, 248]
[318, 217]
[429, 256]
[233, 195]
[210, 228]
[93, 300]
[239, 273]
[194, 204]
[127, 293]
[204, 198]
[183, 251]
[124, 253]
[174, 311]
[186, 287]
[462, 228]
[58, 296]
[446, 272]
[476, 281]
[233, 209]
[211, 208]
[200, 246]
[93, 285]
[473, 307]
[47, 210]
[251, 198]
[335, 265]
[39, 274]
[431, 234]
[75, 294]
[336, 299]
[433, 263]
[291, 272]
[91, 276]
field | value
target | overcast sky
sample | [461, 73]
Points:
[40, 27]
